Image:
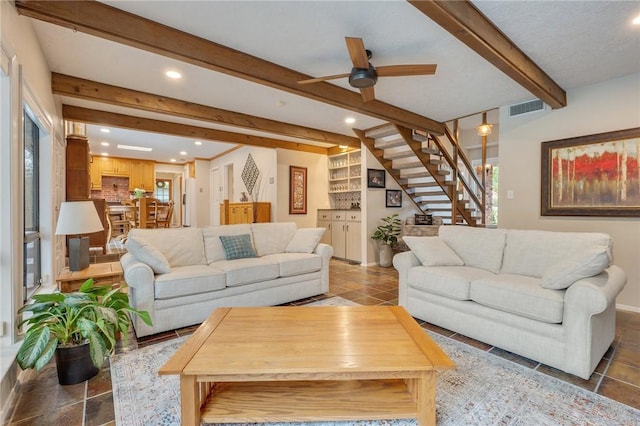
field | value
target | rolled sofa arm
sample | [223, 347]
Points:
[139, 277]
[403, 262]
[596, 293]
[325, 251]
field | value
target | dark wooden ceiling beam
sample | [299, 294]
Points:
[113, 24]
[80, 88]
[465, 22]
[86, 115]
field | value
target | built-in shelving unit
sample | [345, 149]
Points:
[345, 179]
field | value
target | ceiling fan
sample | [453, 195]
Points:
[364, 76]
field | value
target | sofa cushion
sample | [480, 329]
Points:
[586, 263]
[432, 251]
[248, 270]
[305, 240]
[181, 246]
[520, 295]
[213, 246]
[532, 252]
[144, 252]
[477, 247]
[449, 281]
[270, 238]
[237, 246]
[187, 280]
[296, 263]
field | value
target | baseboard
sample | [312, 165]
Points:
[8, 391]
[628, 308]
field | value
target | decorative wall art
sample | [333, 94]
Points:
[250, 174]
[375, 178]
[297, 190]
[595, 175]
[394, 198]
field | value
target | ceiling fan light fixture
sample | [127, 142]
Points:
[361, 78]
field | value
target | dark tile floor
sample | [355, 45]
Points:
[42, 401]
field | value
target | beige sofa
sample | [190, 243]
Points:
[548, 296]
[181, 275]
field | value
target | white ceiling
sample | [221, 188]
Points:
[576, 43]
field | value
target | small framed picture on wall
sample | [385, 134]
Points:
[376, 178]
[394, 198]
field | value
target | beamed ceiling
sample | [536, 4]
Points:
[241, 62]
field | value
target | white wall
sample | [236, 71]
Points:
[609, 106]
[19, 42]
[317, 186]
[265, 159]
[375, 201]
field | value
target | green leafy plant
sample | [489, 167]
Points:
[389, 231]
[93, 315]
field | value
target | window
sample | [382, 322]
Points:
[163, 190]
[32, 260]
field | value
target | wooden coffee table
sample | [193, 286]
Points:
[308, 363]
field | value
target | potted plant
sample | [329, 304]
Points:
[79, 328]
[387, 234]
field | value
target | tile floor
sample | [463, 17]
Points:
[42, 401]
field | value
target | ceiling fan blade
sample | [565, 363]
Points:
[368, 94]
[357, 52]
[319, 79]
[404, 70]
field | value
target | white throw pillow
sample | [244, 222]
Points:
[584, 264]
[305, 240]
[432, 251]
[142, 250]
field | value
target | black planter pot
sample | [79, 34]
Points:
[74, 364]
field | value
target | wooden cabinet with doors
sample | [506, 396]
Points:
[113, 166]
[324, 221]
[234, 213]
[346, 234]
[78, 180]
[96, 173]
[142, 175]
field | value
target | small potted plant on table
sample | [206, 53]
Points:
[80, 328]
[387, 234]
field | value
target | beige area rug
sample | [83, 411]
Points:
[483, 390]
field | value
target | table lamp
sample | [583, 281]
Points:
[76, 218]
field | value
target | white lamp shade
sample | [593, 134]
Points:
[78, 217]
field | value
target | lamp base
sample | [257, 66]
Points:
[78, 253]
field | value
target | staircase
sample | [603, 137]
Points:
[432, 170]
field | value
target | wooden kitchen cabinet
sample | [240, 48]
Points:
[96, 173]
[78, 180]
[113, 166]
[142, 175]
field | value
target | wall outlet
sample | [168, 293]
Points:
[44, 279]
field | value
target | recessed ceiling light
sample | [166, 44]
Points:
[636, 21]
[105, 130]
[198, 143]
[135, 148]
[173, 74]
[349, 120]
[173, 160]
[104, 143]
[105, 154]
[183, 152]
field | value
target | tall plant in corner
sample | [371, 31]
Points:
[387, 234]
[92, 316]
[389, 231]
